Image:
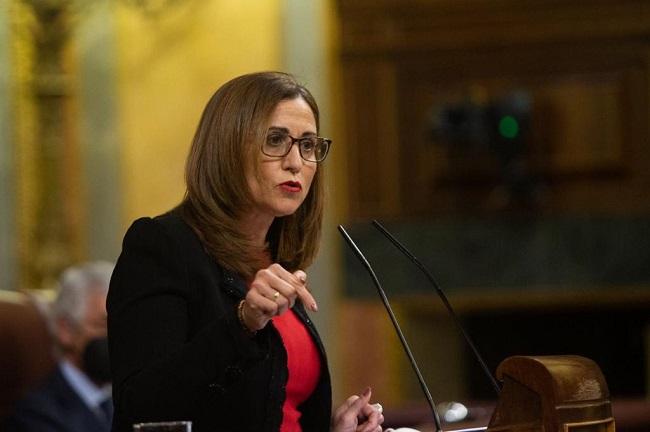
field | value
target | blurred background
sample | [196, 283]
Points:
[505, 141]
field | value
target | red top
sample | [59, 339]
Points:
[303, 362]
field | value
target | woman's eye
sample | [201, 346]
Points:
[275, 140]
[308, 144]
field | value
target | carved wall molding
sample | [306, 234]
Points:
[394, 26]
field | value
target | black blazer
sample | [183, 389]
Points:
[177, 349]
[55, 407]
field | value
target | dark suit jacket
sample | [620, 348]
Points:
[177, 349]
[55, 407]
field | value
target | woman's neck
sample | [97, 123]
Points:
[256, 229]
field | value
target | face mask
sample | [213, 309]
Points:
[95, 361]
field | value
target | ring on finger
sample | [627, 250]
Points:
[276, 295]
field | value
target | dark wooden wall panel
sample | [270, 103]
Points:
[579, 245]
[585, 65]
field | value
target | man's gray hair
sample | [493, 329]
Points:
[76, 284]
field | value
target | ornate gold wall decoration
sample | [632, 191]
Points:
[50, 86]
[51, 204]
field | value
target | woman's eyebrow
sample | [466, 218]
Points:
[279, 129]
[286, 131]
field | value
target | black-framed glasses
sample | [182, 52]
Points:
[312, 148]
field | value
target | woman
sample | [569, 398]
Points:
[206, 309]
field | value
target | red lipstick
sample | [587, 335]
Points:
[291, 186]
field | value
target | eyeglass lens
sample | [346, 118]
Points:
[313, 149]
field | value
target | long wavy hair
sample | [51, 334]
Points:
[226, 144]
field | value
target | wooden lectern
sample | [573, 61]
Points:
[552, 394]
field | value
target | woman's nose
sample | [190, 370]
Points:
[293, 161]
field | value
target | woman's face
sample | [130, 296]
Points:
[283, 182]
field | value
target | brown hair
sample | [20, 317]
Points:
[225, 144]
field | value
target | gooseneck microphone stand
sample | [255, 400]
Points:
[402, 339]
[443, 297]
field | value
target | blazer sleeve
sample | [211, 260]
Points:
[159, 370]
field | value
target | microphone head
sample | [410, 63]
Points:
[402, 429]
[453, 411]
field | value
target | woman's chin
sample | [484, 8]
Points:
[286, 212]
[287, 208]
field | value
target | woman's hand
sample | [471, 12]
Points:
[273, 291]
[357, 415]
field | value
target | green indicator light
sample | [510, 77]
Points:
[508, 127]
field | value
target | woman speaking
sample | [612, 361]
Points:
[207, 305]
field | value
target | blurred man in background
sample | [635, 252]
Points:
[76, 396]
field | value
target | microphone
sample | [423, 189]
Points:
[402, 339]
[443, 297]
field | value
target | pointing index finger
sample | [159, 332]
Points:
[303, 293]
